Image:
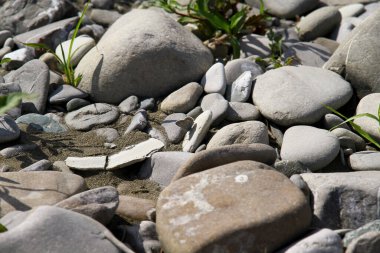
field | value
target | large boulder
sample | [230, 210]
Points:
[144, 53]
[358, 56]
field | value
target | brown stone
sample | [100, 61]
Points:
[134, 208]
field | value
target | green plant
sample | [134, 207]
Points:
[3, 228]
[219, 22]
[65, 64]
[5, 60]
[11, 100]
[356, 127]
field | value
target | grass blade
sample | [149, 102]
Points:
[3, 228]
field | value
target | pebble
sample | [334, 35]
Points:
[313, 147]
[237, 67]
[18, 58]
[331, 120]
[134, 208]
[104, 17]
[43, 123]
[156, 134]
[92, 115]
[217, 105]
[9, 130]
[248, 132]
[38, 166]
[109, 134]
[358, 141]
[365, 160]
[369, 104]
[195, 112]
[238, 111]
[82, 44]
[173, 131]
[65, 93]
[129, 105]
[351, 10]
[87, 163]
[147, 104]
[138, 122]
[17, 149]
[76, 103]
[214, 81]
[4, 35]
[240, 90]
[182, 100]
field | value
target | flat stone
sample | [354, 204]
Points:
[194, 137]
[23, 191]
[42, 123]
[129, 104]
[235, 68]
[133, 154]
[214, 81]
[81, 45]
[208, 159]
[92, 115]
[100, 203]
[238, 111]
[34, 231]
[188, 209]
[134, 208]
[38, 166]
[76, 103]
[87, 163]
[313, 147]
[373, 226]
[369, 104]
[9, 130]
[299, 94]
[162, 166]
[182, 100]
[217, 105]
[240, 89]
[248, 132]
[65, 93]
[365, 160]
[319, 23]
[173, 131]
[344, 200]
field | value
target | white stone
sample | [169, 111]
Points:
[351, 10]
[195, 135]
[81, 46]
[87, 163]
[214, 81]
[240, 90]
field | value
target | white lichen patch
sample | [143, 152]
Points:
[241, 179]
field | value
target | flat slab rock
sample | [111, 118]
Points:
[92, 115]
[22, 191]
[198, 213]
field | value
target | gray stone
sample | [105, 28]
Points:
[133, 154]
[217, 105]
[358, 56]
[369, 243]
[17, 149]
[319, 23]
[238, 111]
[147, 104]
[109, 134]
[4, 51]
[22, 16]
[137, 36]
[286, 8]
[237, 67]
[9, 43]
[301, 184]
[365, 160]
[54, 78]
[313, 147]
[9, 130]
[331, 120]
[162, 166]
[35, 231]
[18, 58]
[4, 35]
[330, 44]
[38, 122]
[175, 133]
[370, 9]
[247, 132]
[254, 45]
[373, 226]
[182, 100]
[129, 104]
[321, 241]
[214, 81]
[189, 209]
[359, 142]
[76, 103]
[299, 94]
[38, 166]
[138, 122]
[351, 10]
[99, 203]
[104, 17]
[195, 112]
[369, 104]
[198, 131]
[345, 2]
[208, 159]
[65, 93]
[240, 89]
[23, 191]
[89, 116]
[93, 30]
[156, 134]
[33, 78]
[344, 200]
[81, 45]
[342, 32]
[307, 53]
[87, 163]
[290, 168]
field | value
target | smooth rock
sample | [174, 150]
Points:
[65, 93]
[330, 44]
[162, 166]
[138, 122]
[87, 163]
[173, 131]
[331, 120]
[182, 100]
[133, 154]
[344, 200]
[38, 166]
[214, 81]
[18, 58]
[134, 208]
[238, 111]
[104, 17]
[129, 104]
[92, 115]
[359, 142]
[369, 243]
[109, 134]
[345, 2]
[248, 132]
[17, 149]
[235, 68]
[299, 94]
[240, 89]
[254, 45]
[365, 160]
[343, 31]
[351, 10]
[194, 137]
[100, 203]
[195, 112]
[62, 167]
[9, 130]
[82, 44]
[227, 154]
[54, 229]
[4, 35]
[147, 104]
[187, 208]
[33, 78]
[307, 54]
[76, 103]
[369, 104]
[217, 105]
[138, 36]
[23, 191]
[42, 123]
[319, 23]
[373, 226]
[313, 147]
